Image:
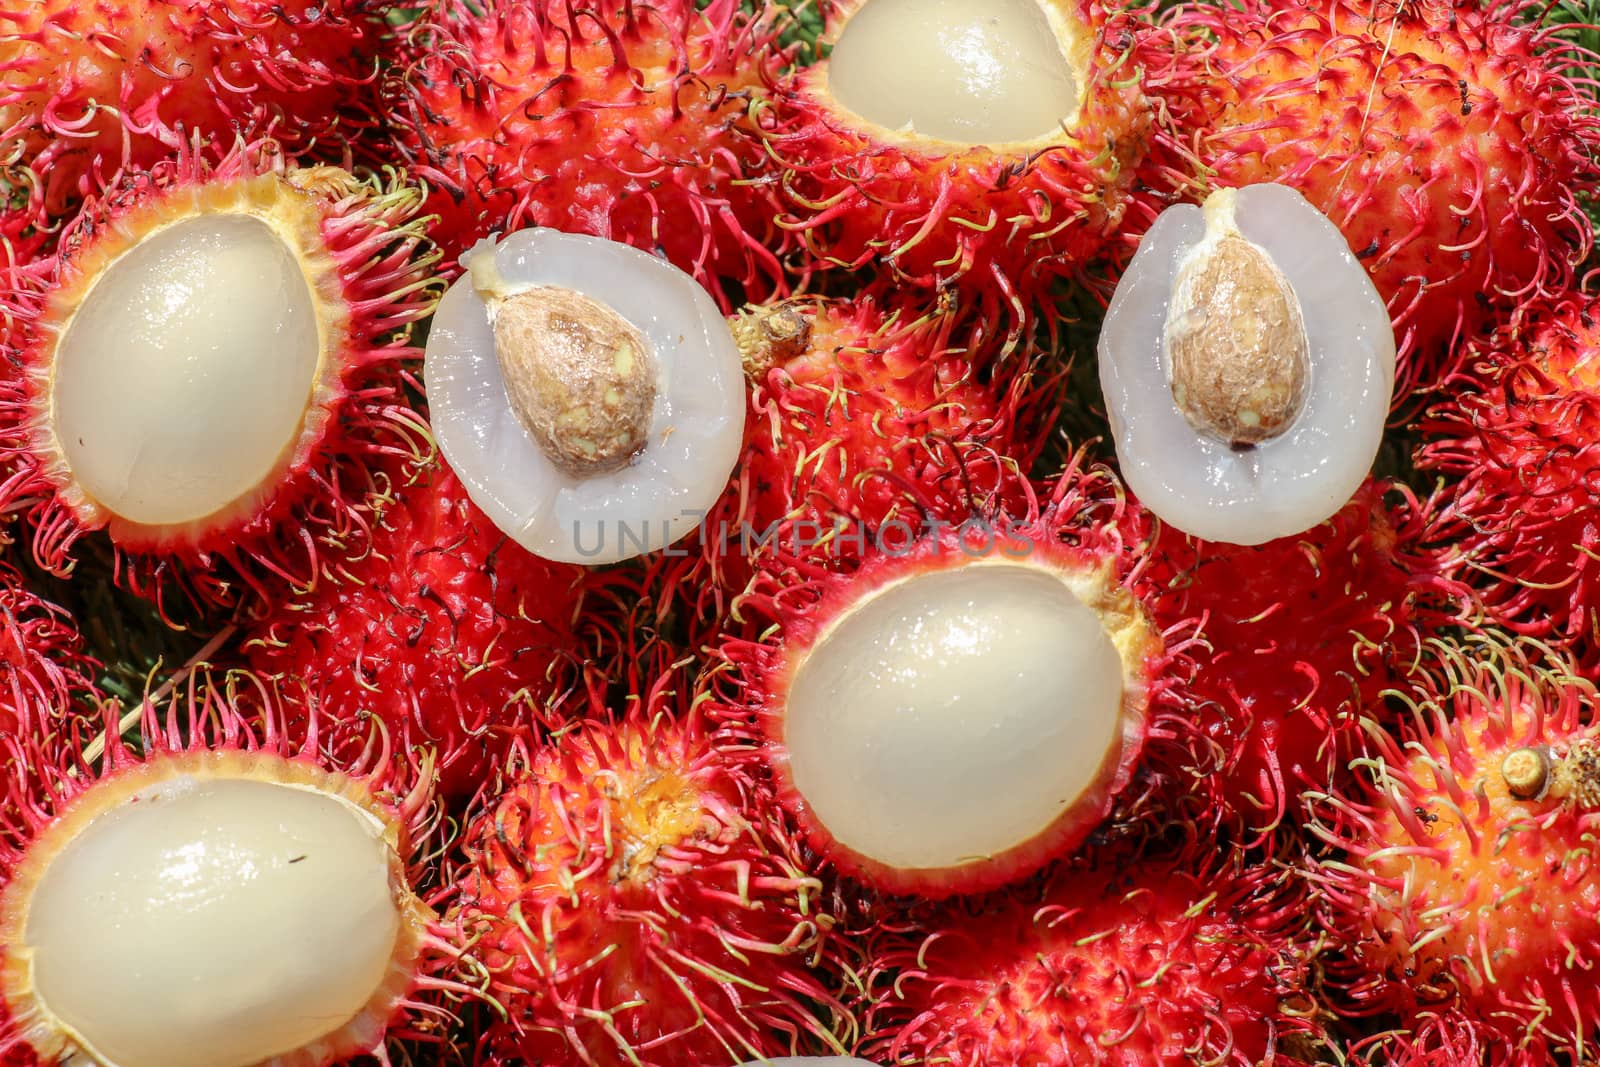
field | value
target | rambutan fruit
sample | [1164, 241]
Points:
[957, 705]
[43, 667]
[1461, 874]
[1161, 963]
[1302, 635]
[1447, 140]
[611, 120]
[1520, 436]
[215, 338]
[992, 143]
[443, 628]
[218, 894]
[634, 901]
[90, 87]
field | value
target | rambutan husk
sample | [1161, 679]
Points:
[446, 630]
[359, 247]
[46, 677]
[1299, 637]
[1003, 221]
[1519, 437]
[808, 587]
[1449, 141]
[1460, 879]
[1117, 960]
[91, 88]
[613, 120]
[66, 786]
[635, 899]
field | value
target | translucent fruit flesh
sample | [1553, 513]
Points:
[214, 923]
[954, 715]
[182, 379]
[964, 71]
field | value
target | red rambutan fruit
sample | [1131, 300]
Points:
[1521, 436]
[215, 892]
[635, 902]
[90, 87]
[1448, 140]
[213, 339]
[956, 705]
[612, 120]
[1003, 163]
[1462, 880]
[1303, 634]
[444, 628]
[43, 667]
[1166, 964]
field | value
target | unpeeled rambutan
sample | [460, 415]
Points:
[612, 120]
[635, 901]
[43, 667]
[443, 628]
[1156, 964]
[89, 87]
[1449, 140]
[213, 339]
[1462, 880]
[216, 891]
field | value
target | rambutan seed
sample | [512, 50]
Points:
[1527, 772]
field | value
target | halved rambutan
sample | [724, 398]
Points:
[214, 339]
[959, 703]
[89, 87]
[1158, 963]
[635, 901]
[1462, 879]
[1303, 634]
[1448, 141]
[215, 892]
[990, 142]
[612, 120]
[1521, 436]
[446, 630]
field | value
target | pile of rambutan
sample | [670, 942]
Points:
[873, 533]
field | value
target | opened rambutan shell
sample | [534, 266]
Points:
[200, 423]
[1449, 141]
[634, 900]
[609, 120]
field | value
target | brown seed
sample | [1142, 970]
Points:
[1240, 361]
[581, 378]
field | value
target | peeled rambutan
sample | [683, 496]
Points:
[957, 704]
[216, 891]
[1462, 876]
[612, 120]
[1448, 140]
[1301, 635]
[634, 901]
[988, 142]
[89, 87]
[213, 339]
[1157, 964]
[1520, 435]
[445, 629]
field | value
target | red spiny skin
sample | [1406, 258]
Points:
[88, 87]
[43, 670]
[635, 901]
[1449, 893]
[302, 517]
[1156, 965]
[445, 629]
[1004, 223]
[1304, 633]
[1448, 140]
[609, 119]
[1522, 438]
[1450, 1039]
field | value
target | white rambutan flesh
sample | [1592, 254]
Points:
[1248, 363]
[962, 71]
[589, 395]
[199, 341]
